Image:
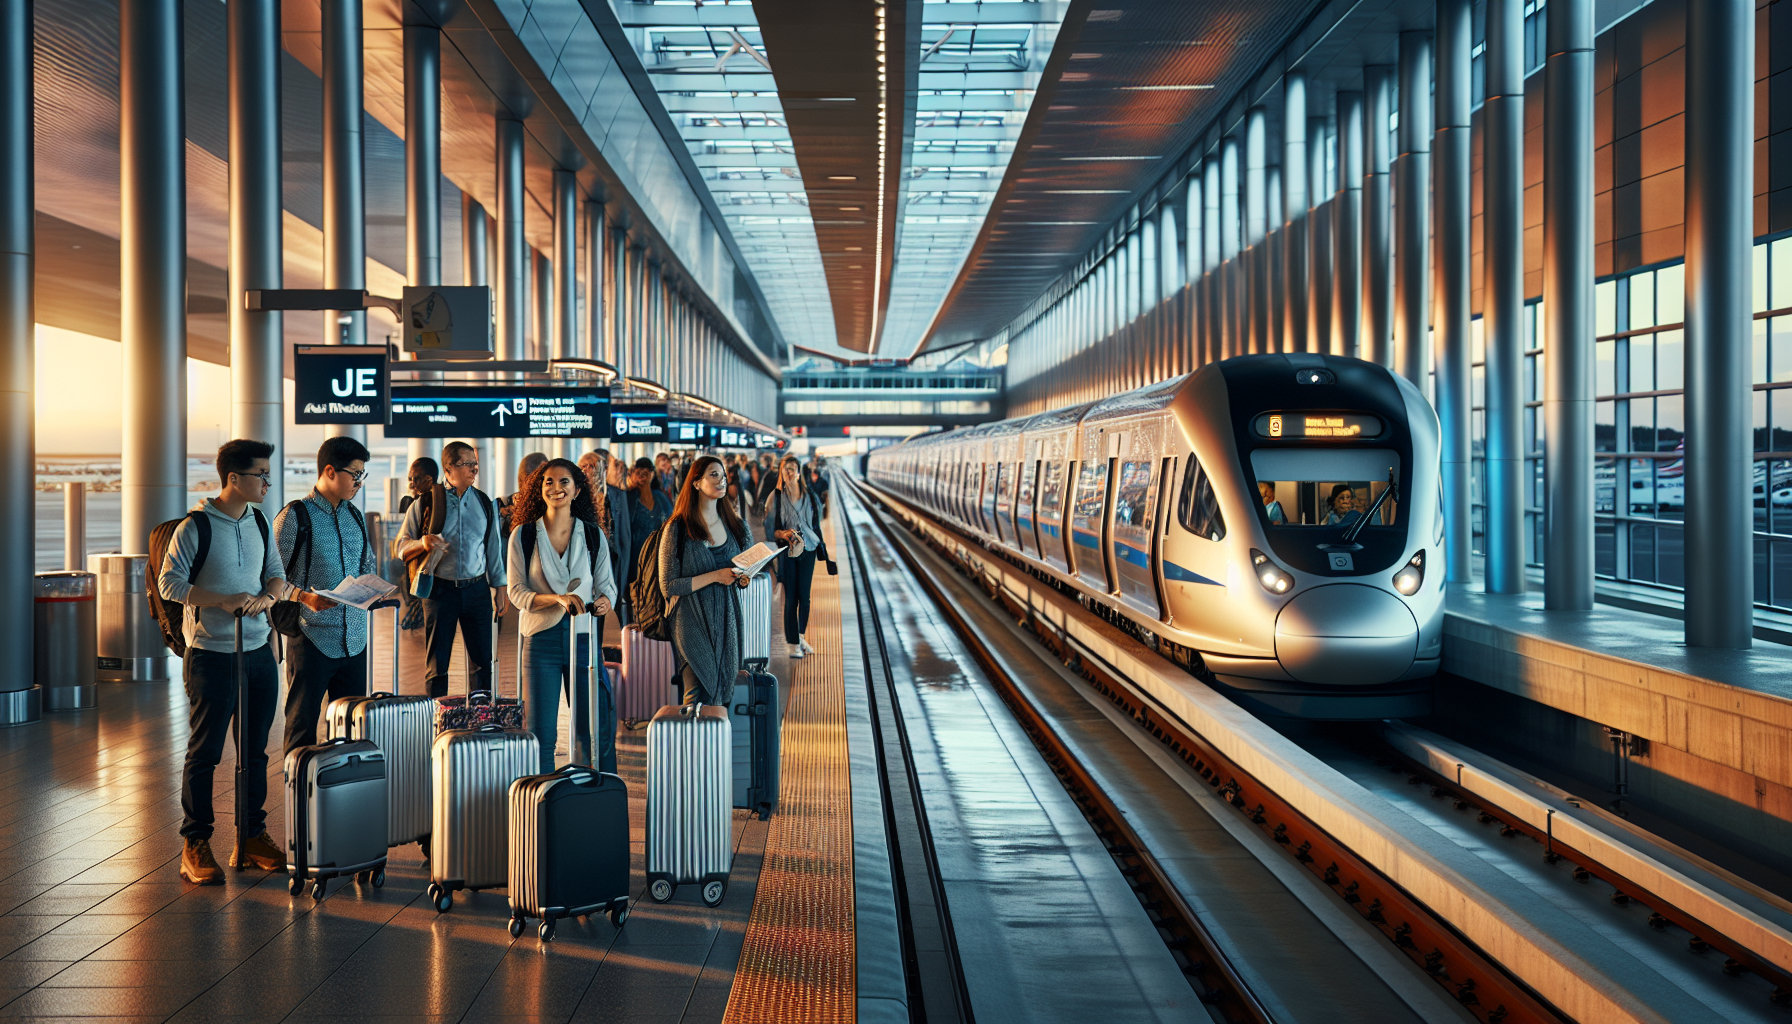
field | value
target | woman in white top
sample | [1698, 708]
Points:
[559, 564]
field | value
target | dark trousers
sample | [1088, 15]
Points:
[547, 668]
[211, 690]
[313, 677]
[470, 608]
[796, 575]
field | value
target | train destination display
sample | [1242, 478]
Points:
[1332, 426]
[499, 410]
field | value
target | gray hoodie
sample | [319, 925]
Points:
[237, 563]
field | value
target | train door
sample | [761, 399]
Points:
[1166, 481]
[986, 499]
[1004, 502]
[1088, 519]
[1134, 530]
[1023, 508]
[973, 489]
[1053, 479]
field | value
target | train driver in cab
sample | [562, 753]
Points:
[1271, 507]
[1344, 510]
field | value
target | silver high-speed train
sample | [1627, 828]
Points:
[1272, 522]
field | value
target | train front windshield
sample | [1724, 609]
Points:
[1318, 487]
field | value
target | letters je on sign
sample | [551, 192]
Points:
[356, 382]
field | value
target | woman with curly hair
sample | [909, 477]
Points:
[559, 561]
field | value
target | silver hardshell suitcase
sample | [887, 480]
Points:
[403, 729]
[335, 814]
[690, 796]
[647, 671]
[756, 618]
[470, 829]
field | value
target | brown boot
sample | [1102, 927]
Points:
[259, 852]
[197, 865]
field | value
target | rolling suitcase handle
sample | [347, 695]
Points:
[596, 682]
[242, 742]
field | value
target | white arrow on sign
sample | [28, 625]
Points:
[500, 410]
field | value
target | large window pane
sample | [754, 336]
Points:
[1758, 353]
[1642, 364]
[1670, 425]
[1605, 481]
[1670, 556]
[1782, 575]
[1642, 553]
[1605, 426]
[1642, 487]
[1760, 421]
[1779, 360]
[1779, 403]
[1605, 377]
[1763, 571]
[1642, 301]
[1605, 548]
[1779, 496]
[1605, 308]
[1642, 424]
[1670, 294]
[1670, 365]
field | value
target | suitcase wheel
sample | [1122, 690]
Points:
[317, 890]
[516, 927]
[375, 877]
[661, 890]
[442, 898]
[296, 886]
[547, 929]
[619, 913]
[713, 893]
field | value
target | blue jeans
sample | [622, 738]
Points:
[546, 671]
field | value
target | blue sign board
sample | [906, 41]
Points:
[499, 410]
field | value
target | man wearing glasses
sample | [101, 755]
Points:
[322, 540]
[467, 561]
[239, 573]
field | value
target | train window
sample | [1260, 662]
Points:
[1091, 492]
[1051, 491]
[1199, 507]
[1132, 504]
[1323, 487]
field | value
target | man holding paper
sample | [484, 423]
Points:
[323, 541]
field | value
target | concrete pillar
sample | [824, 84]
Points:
[1213, 303]
[1194, 262]
[616, 298]
[1502, 307]
[152, 249]
[1378, 278]
[423, 177]
[593, 269]
[345, 200]
[1567, 313]
[1170, 273]
[1720, 118]
[512, 287]
[475, 269]
[257, 341]
[18, 358]
[1295, 237]
[1347, 230]
[1256, 225]
[1270, 265]
[1319, 240]
[1455, 356]
[1412, 213]
[1229, 225]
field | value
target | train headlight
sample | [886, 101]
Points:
[1270, 574]
[1411, 575]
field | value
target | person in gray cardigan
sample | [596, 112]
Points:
[696, 572]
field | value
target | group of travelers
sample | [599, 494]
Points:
[563, 550]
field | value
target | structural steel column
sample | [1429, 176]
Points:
[512, 279]
[616, 298]
[423, 175]
[18, 353]
[1567, 312]
[1213, 300]
[1347, 230]
[1720, 118]
[1454, 347]
[1256, 225]
[475, 269]
[257, 342]
[152, 248]
[1194, 262]
[1269, 265]
[593, 268]
[1378, 278]
[345, 200]
[1319, 241]
[1412, 213]
[564, 332]
[1502, 306]
[1295, 238]
[1229, 224]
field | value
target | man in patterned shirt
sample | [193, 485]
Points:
[323, 540]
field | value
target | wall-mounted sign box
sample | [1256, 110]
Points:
[340, 384]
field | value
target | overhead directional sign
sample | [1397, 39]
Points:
[687, 432]
[339, 383]
[638, 423]
[499, 410]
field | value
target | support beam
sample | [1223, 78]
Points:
[1295, 288]
[152, 248]
[1567, 313]
[345, 199]
[593, 270]
[512, 281]
[1347, 230]
[257, 340]
[475, 269]
[1452, 154]
[1195, 259]
[1319, 240]
[423, 174]
[1229, 224]
[18, 354]
[1213, 301]
[1378, 278]
[1502, 308]
[1270, 265]
[1256, 229]
[564, 339]
[1412, 214]
[1720, 118]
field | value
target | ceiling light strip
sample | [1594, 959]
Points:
[883, 166]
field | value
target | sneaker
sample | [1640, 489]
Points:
[797, 651]
[260, 852]
[197, 865]
[808, 648]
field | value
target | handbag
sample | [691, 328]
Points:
[821, 552]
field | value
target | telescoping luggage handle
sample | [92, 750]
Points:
[242, 744]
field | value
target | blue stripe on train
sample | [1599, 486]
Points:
[1132, 556]
[1084, 540]
[1178, 574]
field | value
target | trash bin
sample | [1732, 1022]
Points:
[130, 642]
[66, 634]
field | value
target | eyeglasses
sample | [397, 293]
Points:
[474, 466]
[356, 477]
[265, 478]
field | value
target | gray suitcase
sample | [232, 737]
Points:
[690, 789]
[755, 716]
[470, 829]
[335, 814]
[403, 728]
[756, 606]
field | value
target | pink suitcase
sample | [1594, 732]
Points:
[646, 677]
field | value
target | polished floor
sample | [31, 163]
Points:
[96, 924]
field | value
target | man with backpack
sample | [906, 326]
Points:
[322, 539]
[465, 561]
[220, 565]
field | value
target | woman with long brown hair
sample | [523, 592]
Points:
[793, 519]
[559, 562]
[696, 576]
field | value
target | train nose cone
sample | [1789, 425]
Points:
[1346, 634]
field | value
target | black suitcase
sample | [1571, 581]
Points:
[568, 847]
[756, 716]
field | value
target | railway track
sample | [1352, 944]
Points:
[1462, 921]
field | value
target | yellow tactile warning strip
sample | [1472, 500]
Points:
[798, 961]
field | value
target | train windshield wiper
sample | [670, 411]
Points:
[1357, 527]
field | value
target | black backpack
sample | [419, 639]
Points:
[170, 616]
[592, 533]
[286, 616]
[646, 600]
